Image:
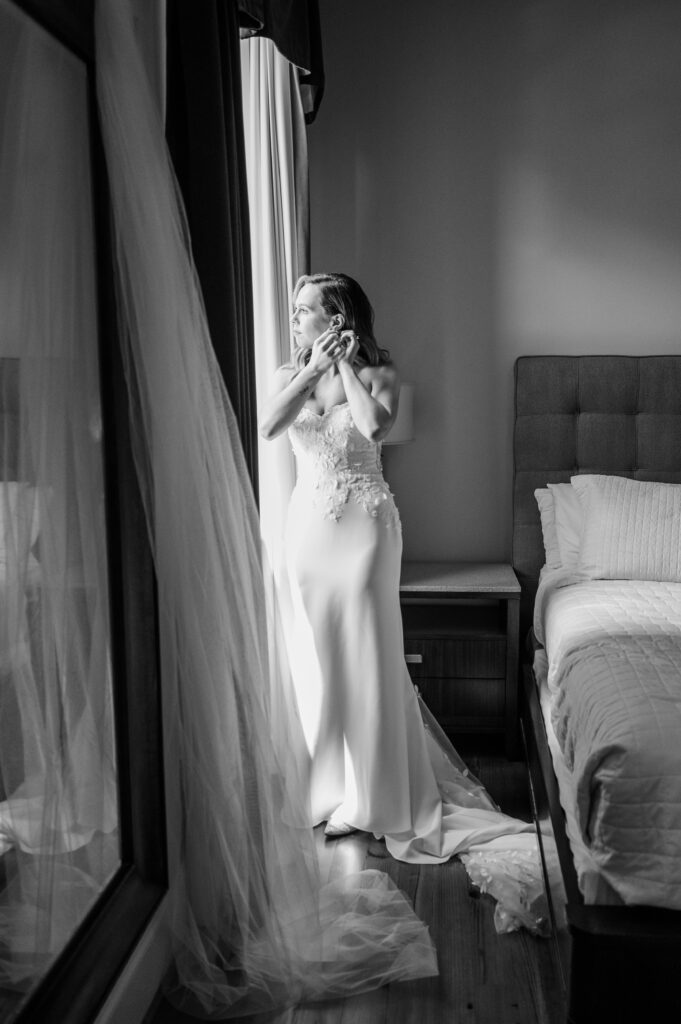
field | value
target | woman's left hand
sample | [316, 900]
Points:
[350, 343]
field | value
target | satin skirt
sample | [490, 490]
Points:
[377, 754]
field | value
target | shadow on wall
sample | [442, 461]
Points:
[508, 183]
[591, 212]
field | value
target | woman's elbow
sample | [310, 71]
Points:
[267, 430]
[378, 431]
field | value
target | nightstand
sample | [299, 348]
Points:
[460, 624]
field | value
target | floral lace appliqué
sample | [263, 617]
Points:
[338, 464]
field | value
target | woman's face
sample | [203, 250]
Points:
[309, 319]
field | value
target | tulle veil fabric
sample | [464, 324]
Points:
[58, 788]
[253, 926]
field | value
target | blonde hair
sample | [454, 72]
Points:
[342, 294]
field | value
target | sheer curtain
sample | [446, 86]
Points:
[251, 924]
[276, 167]
[58, 799]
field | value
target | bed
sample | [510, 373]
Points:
[597, 441]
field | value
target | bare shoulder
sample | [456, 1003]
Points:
[380, 378]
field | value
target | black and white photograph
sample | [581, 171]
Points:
[340, 509]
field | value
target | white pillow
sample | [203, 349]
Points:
[544, 500]
[19, 521]
[569, 520]
[632, 528]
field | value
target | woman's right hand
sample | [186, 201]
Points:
[326, 350]
[292, 389]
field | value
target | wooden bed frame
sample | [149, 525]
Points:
[619, 415]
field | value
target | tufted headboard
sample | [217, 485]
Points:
[619, 415]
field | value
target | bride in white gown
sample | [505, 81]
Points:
[252, 924]
[379, 761]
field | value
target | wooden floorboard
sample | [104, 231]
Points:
[485, 978]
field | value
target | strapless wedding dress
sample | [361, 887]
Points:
[377, 753]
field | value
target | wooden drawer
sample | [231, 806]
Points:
[468, 658]
[460, 624]
[465, 705]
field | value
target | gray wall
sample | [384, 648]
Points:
[504, 178]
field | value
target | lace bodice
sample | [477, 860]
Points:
[338, 464]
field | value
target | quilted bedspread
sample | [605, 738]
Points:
[614, 654]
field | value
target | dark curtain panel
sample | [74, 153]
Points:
[294, 28]
[204, 127]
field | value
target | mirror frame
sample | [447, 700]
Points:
[75, 987]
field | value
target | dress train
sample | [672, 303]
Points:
[380, 762]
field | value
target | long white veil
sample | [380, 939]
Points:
[253, 926]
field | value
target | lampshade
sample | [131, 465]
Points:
[402, 430]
